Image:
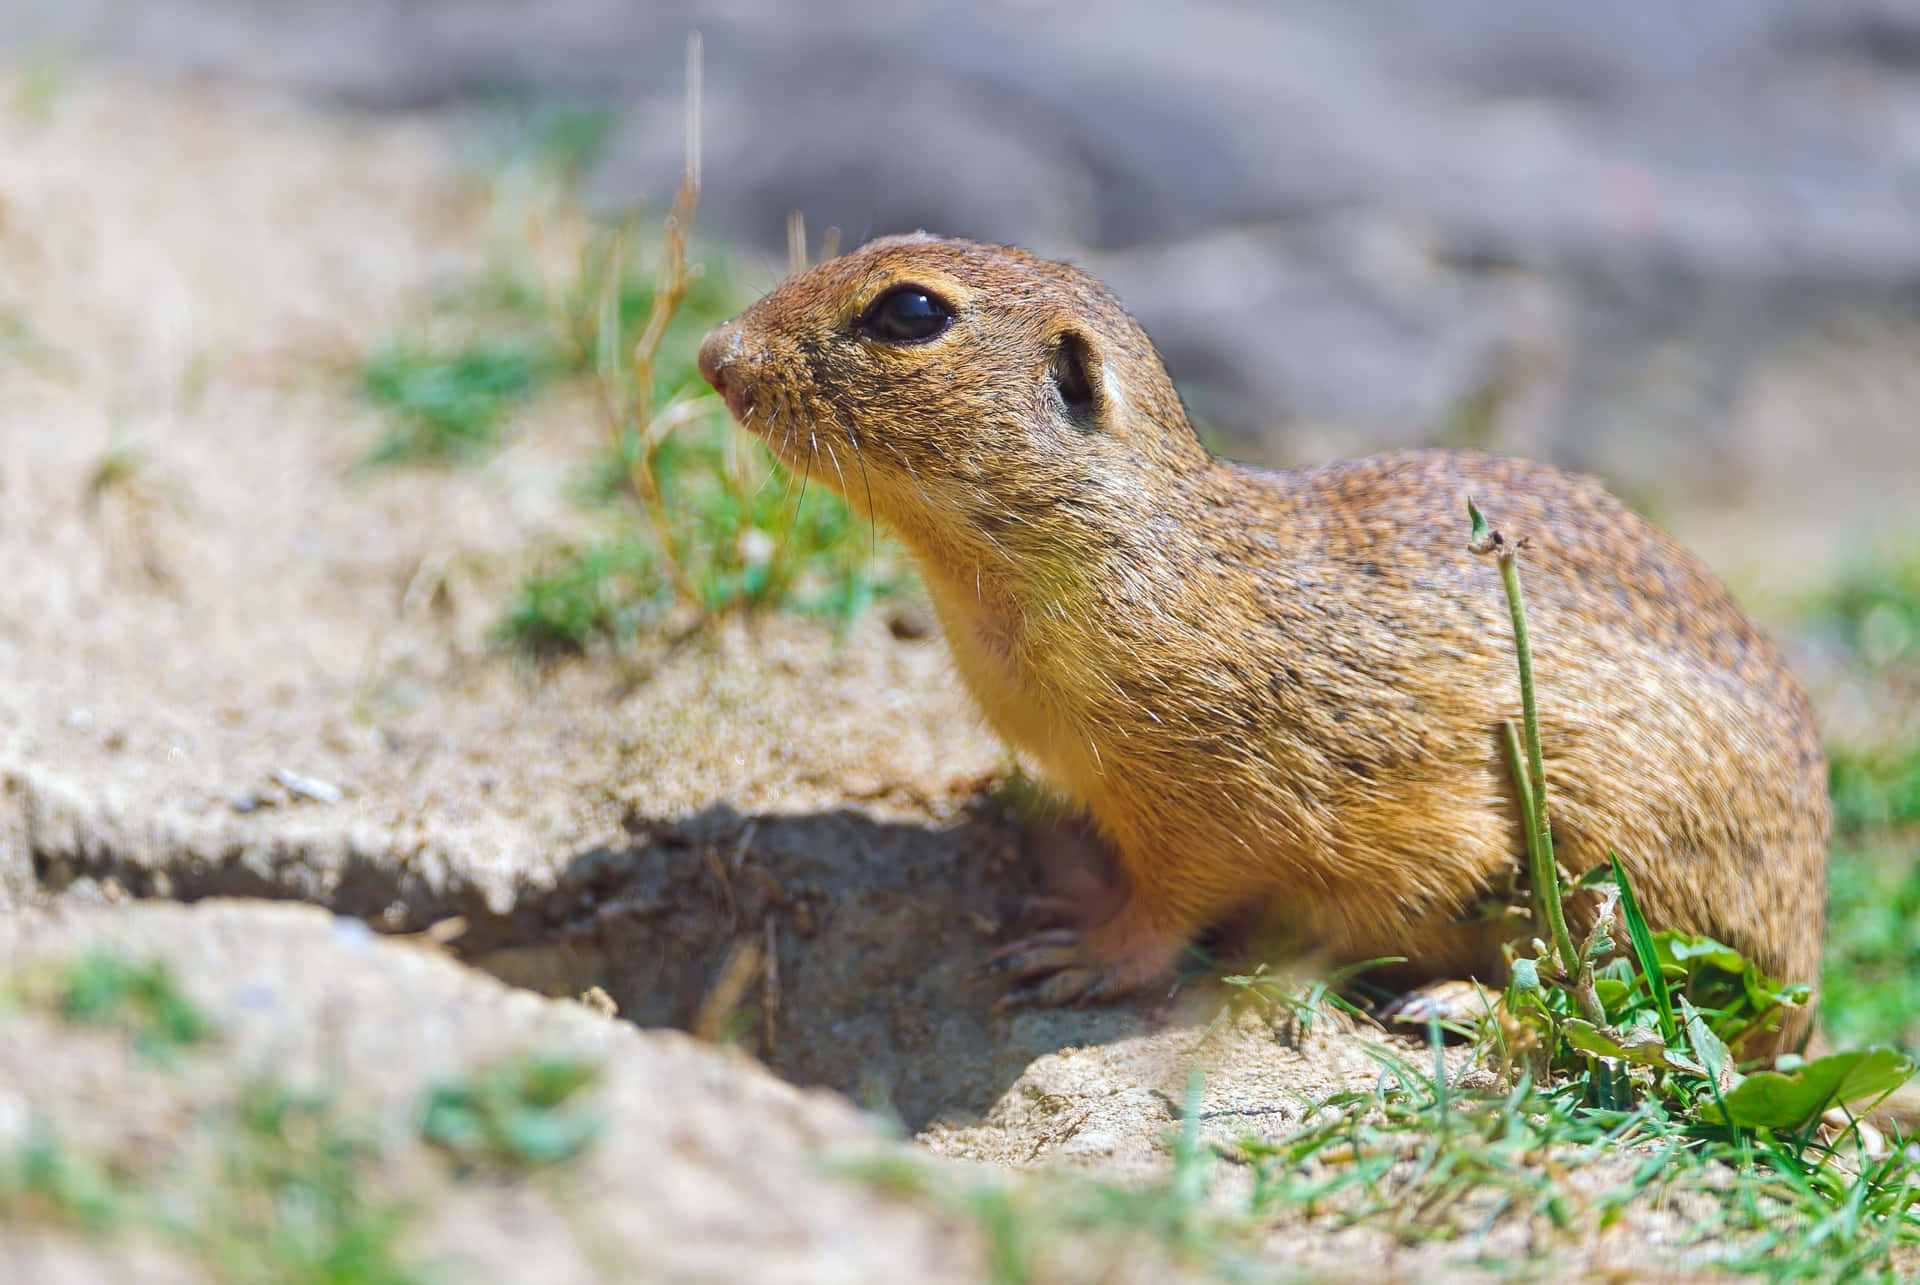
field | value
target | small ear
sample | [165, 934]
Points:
[1078, 376]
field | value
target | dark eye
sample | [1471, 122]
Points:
[905, 315]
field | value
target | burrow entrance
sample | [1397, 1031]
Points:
[839, 949]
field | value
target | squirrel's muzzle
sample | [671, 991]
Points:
[720, 355]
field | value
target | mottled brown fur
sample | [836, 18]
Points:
[1285, 688]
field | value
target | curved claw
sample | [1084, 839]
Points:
[1042, 953]
[1075, 984]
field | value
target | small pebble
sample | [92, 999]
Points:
[1090, 1142]
[308, 787]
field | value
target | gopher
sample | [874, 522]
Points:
[1283, 690]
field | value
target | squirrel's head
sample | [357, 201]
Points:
[972, 395]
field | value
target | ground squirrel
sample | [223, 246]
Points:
[1283, 689]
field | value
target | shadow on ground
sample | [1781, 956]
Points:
[839, 949]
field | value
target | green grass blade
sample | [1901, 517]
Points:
[1641, 936]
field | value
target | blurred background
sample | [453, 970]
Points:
[1677, 245]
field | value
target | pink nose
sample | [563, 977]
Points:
[719, 351]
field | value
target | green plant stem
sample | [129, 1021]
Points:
[1546, 873]
[1533, 789]
[1523, 786]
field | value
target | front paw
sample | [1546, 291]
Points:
[1052, 969]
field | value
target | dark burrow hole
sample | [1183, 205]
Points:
[836, 948]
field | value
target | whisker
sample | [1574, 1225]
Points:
[835, 457]
[806, 475]
[780, 468]
[873, 529]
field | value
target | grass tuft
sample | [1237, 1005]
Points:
[612, 590]
[287, 1190]
[103, 989]
[1872, 606]
[300, 1196]
[45, 1182]
[1877, 790]
[697, 518]
[524, 1114]
[263, 1182]
[447, 406]
[1425, 1164]
[1870, 989]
